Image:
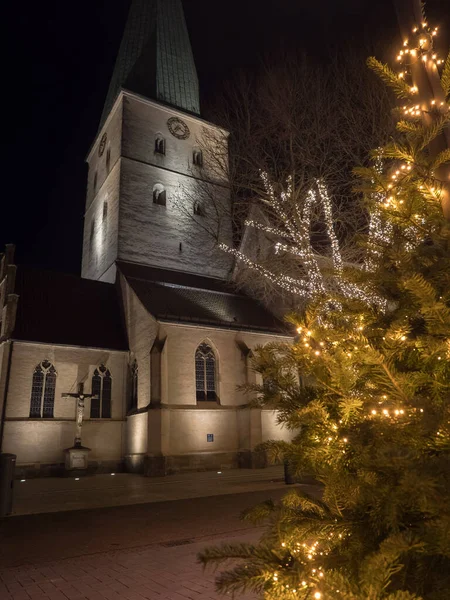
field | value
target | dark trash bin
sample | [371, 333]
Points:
[7, 466]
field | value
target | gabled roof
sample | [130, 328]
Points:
[185, 298]
[56, 308]
[155, 57]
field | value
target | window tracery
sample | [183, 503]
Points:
[43, 391]
[102, 388]
[205, 373]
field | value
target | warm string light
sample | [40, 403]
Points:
[294, 237]
[420, 47]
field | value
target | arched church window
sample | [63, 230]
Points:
[160, 145]
[159, 195]
[101, 387]
[108, 159]
[197, 158]
[95, 181]
[43, 391]
[205, 373]
[133, 403]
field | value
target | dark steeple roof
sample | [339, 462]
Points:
[155, 57]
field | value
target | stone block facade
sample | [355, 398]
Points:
[39, 443]
[124, 169]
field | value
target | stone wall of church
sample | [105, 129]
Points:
[168, 236]
[144, 232]
[145, 120]
[233, 369]
[101, 223]
[102, 202]
[4, 355]
[40, 443]
[142, 330]
[208, 435]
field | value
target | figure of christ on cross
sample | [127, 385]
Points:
[80, 397]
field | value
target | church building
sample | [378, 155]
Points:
[154, 328]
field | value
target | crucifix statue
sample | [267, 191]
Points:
[80, 397]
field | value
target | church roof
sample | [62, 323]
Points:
[182, 297]
[56, 308]
[155, 57]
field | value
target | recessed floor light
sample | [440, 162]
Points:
[22, 480]
[219, 472]
[77, 479]
[112, 473]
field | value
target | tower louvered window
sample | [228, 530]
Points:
[197, 158]
[160, 145]
[43, 391]
[159, 195]
[101, 387]
[205, 373]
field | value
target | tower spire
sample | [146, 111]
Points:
[155, 57]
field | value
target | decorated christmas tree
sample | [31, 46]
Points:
[366, 384]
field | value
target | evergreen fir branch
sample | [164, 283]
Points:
[219, 554]
[408, 127]
[399, 152]
[400, 87]
[379, 568]
[242, 578]
[258, 513]
[428, 134]
[350, 408]
[445, 77]
[402, 595]
[306, 503]
[420, 288]
[442, 158]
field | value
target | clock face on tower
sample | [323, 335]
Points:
[178, 128]
[102, 145]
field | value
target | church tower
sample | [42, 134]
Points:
[154, 193]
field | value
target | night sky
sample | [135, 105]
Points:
[61, 55]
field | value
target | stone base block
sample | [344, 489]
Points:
[77, 460]
[251, 459]
[156, 466]
[135, 463]
[33, 471]
[159, 466]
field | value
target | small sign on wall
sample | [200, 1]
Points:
[209, 437]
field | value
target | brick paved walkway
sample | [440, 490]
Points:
[156, 572]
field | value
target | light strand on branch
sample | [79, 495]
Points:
[292, 234]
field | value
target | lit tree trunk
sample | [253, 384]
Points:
[426, 78]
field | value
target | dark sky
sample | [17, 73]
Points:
[61, 56]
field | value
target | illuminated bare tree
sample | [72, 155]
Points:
[300, 124]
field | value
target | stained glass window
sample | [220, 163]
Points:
[96, 391]
[133, 404]
[101, 387]
[49, 393]
[205, 373]
[43, 391]
[106, 396]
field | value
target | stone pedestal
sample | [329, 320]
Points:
[77, 460]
